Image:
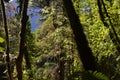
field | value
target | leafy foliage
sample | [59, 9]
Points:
[55, 37]
[90, 75]
[1, 40]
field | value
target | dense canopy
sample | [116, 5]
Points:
[59, 39]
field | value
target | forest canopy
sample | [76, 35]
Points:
[71, 40]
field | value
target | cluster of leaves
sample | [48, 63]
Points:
[1, 41]
[52, 42]
[90, 75]
[97, 34]
[99, 38]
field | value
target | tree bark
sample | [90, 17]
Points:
[7, 39]
[84, 50]
[61, 66]
[20, 6]
[22, 40]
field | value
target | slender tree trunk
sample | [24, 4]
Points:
[20, 5]
[22, 40]
[84, 50]
[7, 40]
[113, 35]
[61, 64]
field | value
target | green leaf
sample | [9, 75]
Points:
[1, 49]
[1, 40]
[90, 75]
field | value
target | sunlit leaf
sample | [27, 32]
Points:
[1, 40]
[1, 49]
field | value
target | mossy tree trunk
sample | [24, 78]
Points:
[84, 50]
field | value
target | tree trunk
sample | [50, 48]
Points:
[112, 33]
[22, 40]
[20, 5]
[61, 66]
[84, 50]
[7, 39]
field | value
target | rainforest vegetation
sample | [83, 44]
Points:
[76, 40]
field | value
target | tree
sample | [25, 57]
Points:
[84, 50]
[112, 33]
[23, 46]
[7, 39]
[20, 6]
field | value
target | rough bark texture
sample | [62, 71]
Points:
[22, 40]
[7, 39]
[84, 50]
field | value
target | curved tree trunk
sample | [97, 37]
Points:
[7, 40]
[84, 50]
